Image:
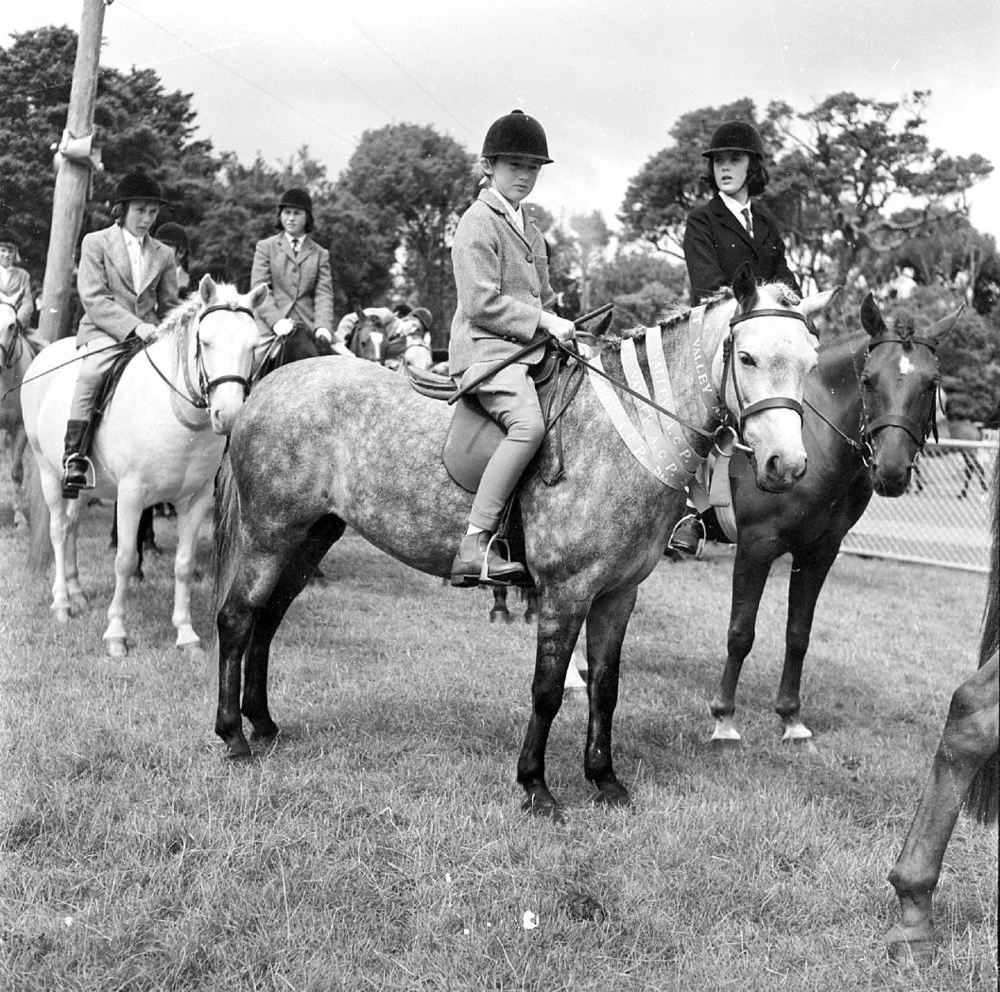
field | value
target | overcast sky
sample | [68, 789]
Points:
[607, 78]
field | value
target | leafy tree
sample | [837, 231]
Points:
[413, 183]
[641, 284]
[137, 126]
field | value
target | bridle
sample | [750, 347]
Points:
[919, 433]
[729, 371]
[200, 398]
[868, 428]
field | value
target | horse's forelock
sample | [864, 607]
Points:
[903, 326]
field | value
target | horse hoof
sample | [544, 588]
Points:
[796, 731]
[915, 953]
[192, 652]
[116, 647]
[544, 806]
[62, 614]
[613, 794]
[503, 615]
[238, 750]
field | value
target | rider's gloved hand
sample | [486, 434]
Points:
[145, 331]
[283, 327]
[323, 334]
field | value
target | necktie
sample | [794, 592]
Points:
[295, 245]
[747, 222]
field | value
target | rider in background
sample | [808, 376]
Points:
[504, 301]
[14, 279]
[722, 234]
[176, 237]
[127, 282]
[297, 270]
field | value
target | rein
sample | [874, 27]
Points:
[729, 371]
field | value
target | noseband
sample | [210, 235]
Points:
[205, 384]
[729, 370]
[919, 433]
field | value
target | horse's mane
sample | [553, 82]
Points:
[674, 313]
[181, 314]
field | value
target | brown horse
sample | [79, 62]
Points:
[966, 769]
[353, 445]
[869, 410]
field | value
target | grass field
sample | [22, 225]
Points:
[380, 845]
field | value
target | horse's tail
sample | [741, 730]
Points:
[982, 798]
[226, 531]
[40, 554]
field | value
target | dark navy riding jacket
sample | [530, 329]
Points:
[716, 243]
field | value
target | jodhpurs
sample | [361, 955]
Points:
[93, 369]
[509, 397]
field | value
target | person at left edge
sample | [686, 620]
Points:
[297, 271]
[127, 282]
[14, 280]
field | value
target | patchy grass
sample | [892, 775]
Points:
[379, 844]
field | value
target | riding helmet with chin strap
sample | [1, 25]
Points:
[516, 134]
[735, 136]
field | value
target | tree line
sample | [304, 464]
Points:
[854, 182]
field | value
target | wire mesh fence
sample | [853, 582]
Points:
[943, 518]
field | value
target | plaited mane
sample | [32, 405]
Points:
[180, 314]
[674, 313]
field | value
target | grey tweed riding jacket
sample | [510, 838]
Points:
[502, 278]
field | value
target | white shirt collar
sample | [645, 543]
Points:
[516, 213]
[291, 240]
[734, 205]
[131, 239]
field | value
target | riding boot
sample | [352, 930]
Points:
[76, 464]
[687, 535]
[478, 561]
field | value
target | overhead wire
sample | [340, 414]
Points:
[246, 79]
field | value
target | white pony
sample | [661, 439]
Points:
[153, 444]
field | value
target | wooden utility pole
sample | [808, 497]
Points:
[73, 176]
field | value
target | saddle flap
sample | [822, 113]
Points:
[474, 435]
[472, 438]
[432, 384]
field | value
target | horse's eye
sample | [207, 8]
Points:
[747, 360]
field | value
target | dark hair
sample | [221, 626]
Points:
[756, 176]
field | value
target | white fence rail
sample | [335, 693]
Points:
[944, 517]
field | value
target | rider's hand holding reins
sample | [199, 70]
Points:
[283, 327]
[559, 327]
[146, 331]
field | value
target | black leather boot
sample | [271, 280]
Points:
[75, 461]
[687, 535]
[478, 562]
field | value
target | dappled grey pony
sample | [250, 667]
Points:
[353, 445]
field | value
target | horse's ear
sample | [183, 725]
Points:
[206, 288]
[871, 317]
[818, 302]
[258, 294]
[938, 331]
[745, 288]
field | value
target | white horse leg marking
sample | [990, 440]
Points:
[725, 730]
[126, 560]
[190, 515]
[796, 730]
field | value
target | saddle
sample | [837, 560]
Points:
[474, 435]
[108, 386]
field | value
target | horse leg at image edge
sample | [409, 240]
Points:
[749, 580]
[969, 740]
